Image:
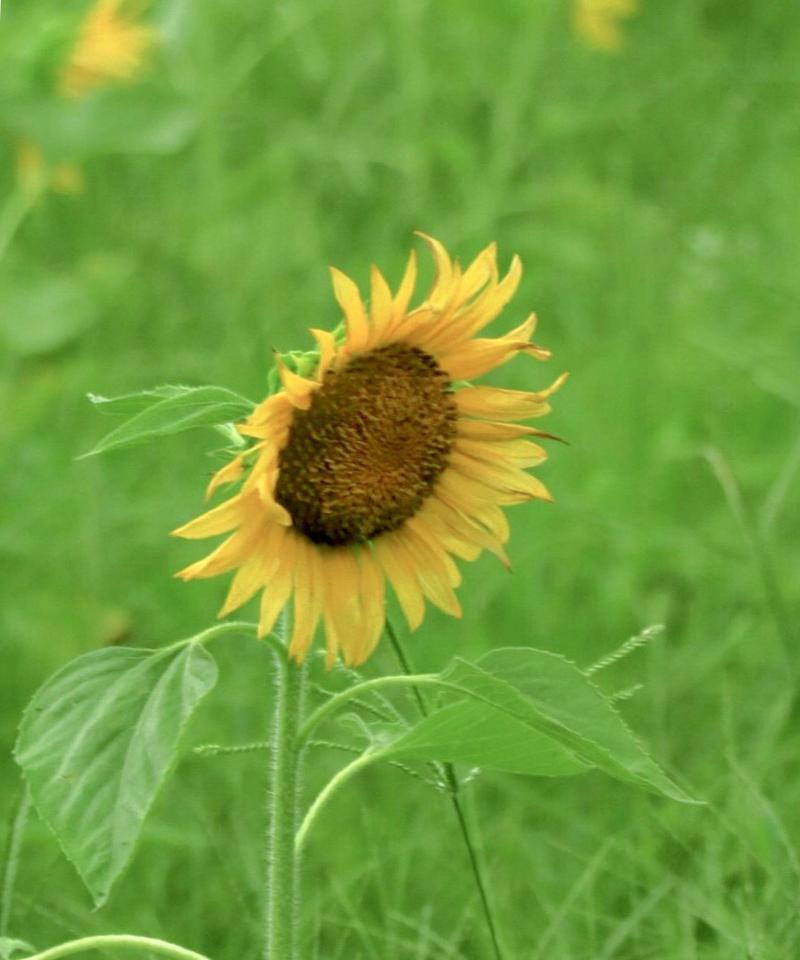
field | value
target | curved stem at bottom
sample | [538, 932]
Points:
[369, 756]
[162, 947]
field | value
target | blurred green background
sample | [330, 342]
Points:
[177, 227]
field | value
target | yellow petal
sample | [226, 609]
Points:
[249, 578]
[308, 597]
[489, 304]
[401, 576]
[463, 536]
[298, 389]
[225, 557]
[427, 569]
[473, 358]
[380, 302]
[349, 299]
[405, 290]
[273, 511]
[342, 606]
[520, 453]
[482, 269]
[277, 591]
[444, 268]
[498, 404]
[326, 342]
[219, 520]
[228, 474]
[492, 430]
[372, 592]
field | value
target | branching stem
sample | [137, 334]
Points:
[352, 693]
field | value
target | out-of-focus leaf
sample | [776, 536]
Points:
[9, 948]
[109, 121]
[42, 312]
[167, 410]
[97, 742]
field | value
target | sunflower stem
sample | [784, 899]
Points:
[453, 788]
[282, 882]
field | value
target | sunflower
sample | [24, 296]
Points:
[111, 48]
[376, 461]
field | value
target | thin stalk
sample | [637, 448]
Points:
[453, 789]
[776, 602]
[370, 756]
[282, 865]
[18, 824]
[351, 693]
[151, 945]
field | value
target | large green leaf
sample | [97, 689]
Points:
[167, 410]
[479, 734]
[556, 699]
[96, 743]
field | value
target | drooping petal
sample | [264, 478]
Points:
[277, 591]
[308, 598]
[228, 474]
[402, 578]
[220, 519]
[371, 589]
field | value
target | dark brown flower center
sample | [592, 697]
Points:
[365, 455]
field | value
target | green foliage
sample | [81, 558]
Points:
[167, 410]
[653, 198]
[551, 695]
[96, 743]
[9, 948]
[106, 122]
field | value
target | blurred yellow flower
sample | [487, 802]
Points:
[34, 175]
[111, 48]
[598, 22]
[377, 461]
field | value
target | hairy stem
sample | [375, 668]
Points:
[282, 865]
[453, 787]
[13, 848]
[149, 944]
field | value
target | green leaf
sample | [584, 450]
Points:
[554, 698]
[167, 410]
[8, 947]
[107, 122]
[481, 735]
[97, 742]
[43, 311]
